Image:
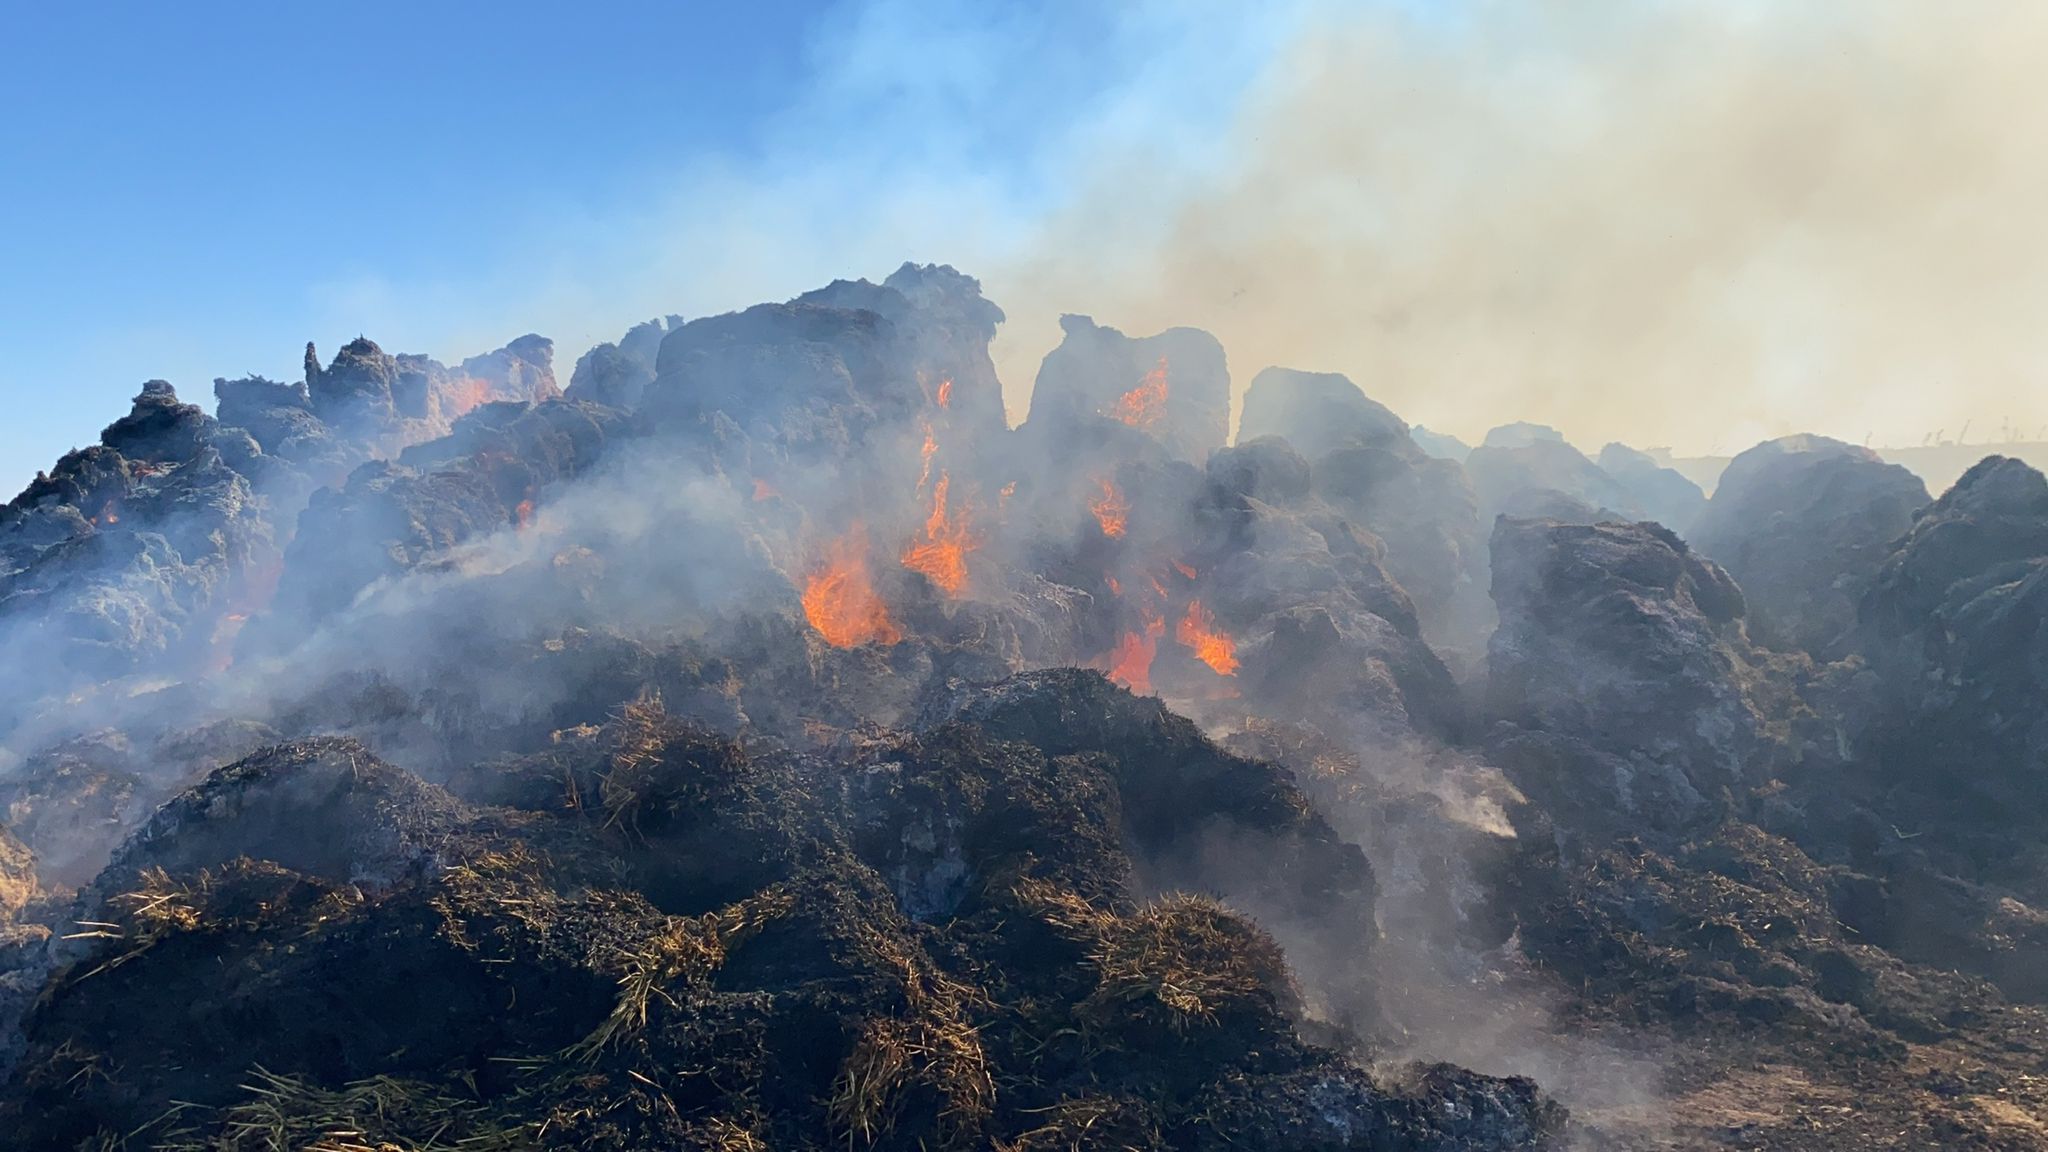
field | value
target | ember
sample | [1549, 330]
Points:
[1130, 662]
[1145, 405]
[1111, 512]
[840, 600]
[940, 554]
[1210, 644]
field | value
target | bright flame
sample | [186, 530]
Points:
[1210, 644]
[1130, 662]
[522, 516]
[1145, 405]
[839, 597]
[107, 515]
[1187, 570]
[946, 392]
[941, 553]
[1110, 510]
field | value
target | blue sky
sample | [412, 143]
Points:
[1824, 216]
[194, 190]
[185, 184]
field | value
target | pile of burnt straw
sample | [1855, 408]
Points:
[1008, 928]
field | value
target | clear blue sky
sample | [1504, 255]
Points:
[174, 173]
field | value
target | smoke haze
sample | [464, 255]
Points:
[1678, 224]
[1695, 225]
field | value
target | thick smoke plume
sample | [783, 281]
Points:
[1689, 224]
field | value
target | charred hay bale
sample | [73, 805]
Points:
[195, 981]
[1173, 780]
[1803, 523]
[1542, 476]
[1428, 515]
[1664, 494]
[1174, 386]
[1619, 637]
[1316, 412]
[616, 375]
[71, 803]
[1086, 1123]
[1332, 1106]
[691, 819]
[943, 816]
[392, 516]
[327, 807]
[657, 770]
[1196, 817]
[1185, 967]
[1996, 514]
[1266, 469]
[1733, 931]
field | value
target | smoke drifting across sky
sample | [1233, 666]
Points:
[1671, 222]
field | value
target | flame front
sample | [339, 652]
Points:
[1130, 662]
[839, 596]
[1210, 644]
[941, 552]
[946, 392]
[1111, 511]
[1145, 405]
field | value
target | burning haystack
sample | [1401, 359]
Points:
[762, 744]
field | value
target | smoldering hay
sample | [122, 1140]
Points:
[760, 742]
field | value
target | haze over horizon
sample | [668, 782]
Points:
[1670, 223]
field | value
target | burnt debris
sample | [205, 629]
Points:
[762, 743]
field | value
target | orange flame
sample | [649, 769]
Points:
[946, 392]
[1210, 644]
[1110, 509]
[1145, 405]
[1187, 570]
[522, 516]
[465, 395]
[1130, 662]
[107, 515]
[763, 490]
[930, 449]
[1003, 497]
[941, 553]
[839, 597]
[1115, 588]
